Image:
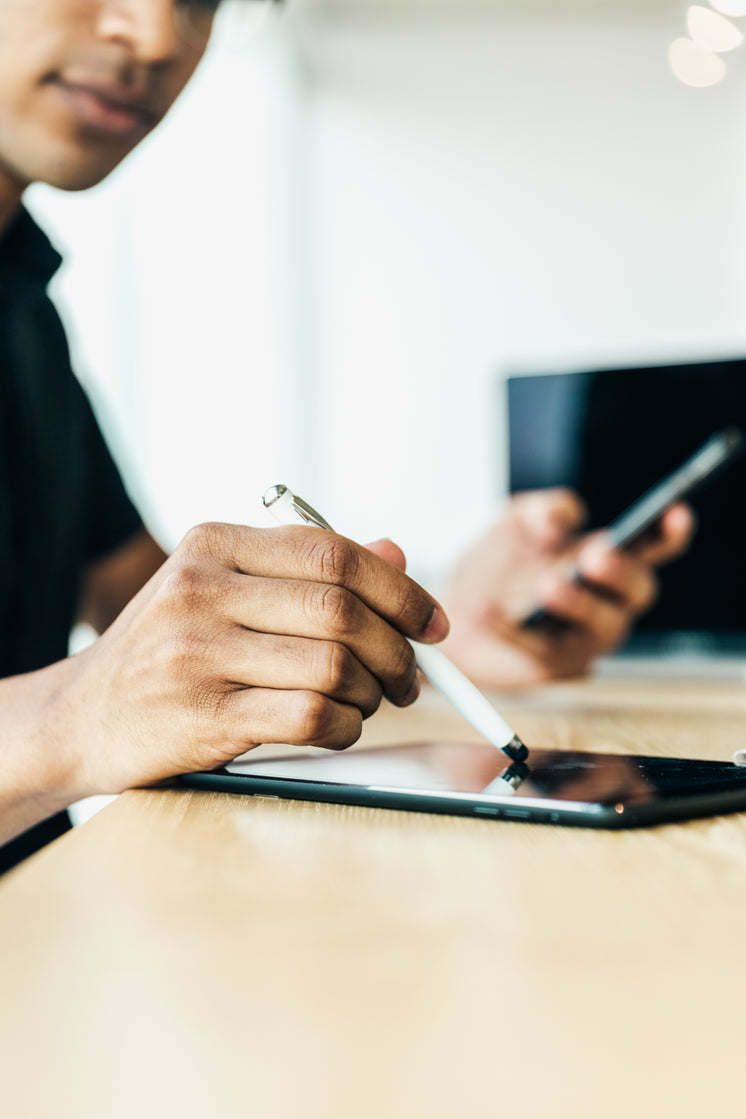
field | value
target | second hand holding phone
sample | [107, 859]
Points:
[627, 529]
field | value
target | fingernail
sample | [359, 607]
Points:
[438, 626]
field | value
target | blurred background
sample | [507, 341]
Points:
[365, 214]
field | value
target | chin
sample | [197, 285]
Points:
[74, 181]
[76, 163]
[72, 174]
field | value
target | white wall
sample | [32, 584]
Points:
[184, 288]
[504, 192]
[349, 227]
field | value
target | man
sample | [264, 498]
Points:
[242, 636]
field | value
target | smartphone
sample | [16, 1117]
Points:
[704, 465]
[561, 787]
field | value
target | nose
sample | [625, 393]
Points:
[149, 28]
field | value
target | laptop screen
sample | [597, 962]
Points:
[610, 435]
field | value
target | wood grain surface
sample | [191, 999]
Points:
[197, 954]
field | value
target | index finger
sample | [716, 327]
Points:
[298, 552]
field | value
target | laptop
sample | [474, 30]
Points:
[610, 434]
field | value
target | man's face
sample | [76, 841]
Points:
[83, 81]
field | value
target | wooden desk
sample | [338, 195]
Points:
[189, 954]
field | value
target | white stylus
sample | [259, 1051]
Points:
[287, 508]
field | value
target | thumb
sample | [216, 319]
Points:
[551, 516]
[389, 551]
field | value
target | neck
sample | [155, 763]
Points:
[11, 193]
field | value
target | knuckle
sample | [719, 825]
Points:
[205, 539]
[570, 505]
[207, 704]
[401, 663]
[611, 623]
[315, 718]
[601, 617]
[337, 669]
[371, 704]
[186, 660]
[407, 602]
[337, 609]
[334, 559]
[185, 585]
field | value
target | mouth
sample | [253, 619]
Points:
[107, 110]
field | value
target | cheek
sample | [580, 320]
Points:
[31, 45]
[19, 104]
[181, 71]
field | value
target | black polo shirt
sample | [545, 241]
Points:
[62, 502]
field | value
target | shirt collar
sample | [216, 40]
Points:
[26, 252]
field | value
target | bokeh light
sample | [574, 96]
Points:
[712, 31]
[694, 65]
[730, 7]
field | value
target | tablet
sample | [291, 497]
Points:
[596, 790]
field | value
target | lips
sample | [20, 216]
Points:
[106, 110]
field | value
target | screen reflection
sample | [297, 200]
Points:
[471, 767]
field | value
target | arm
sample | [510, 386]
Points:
[37, 766]
[524, 561]
[242, 636]
[110, 583]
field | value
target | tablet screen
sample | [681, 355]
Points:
[452, 767]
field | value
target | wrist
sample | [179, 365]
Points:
[41, 772]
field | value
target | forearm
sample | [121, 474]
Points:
[39, 773]
[114, 580]
[45, 734]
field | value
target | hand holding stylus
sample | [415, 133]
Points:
[287, 507]
[244, 636]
